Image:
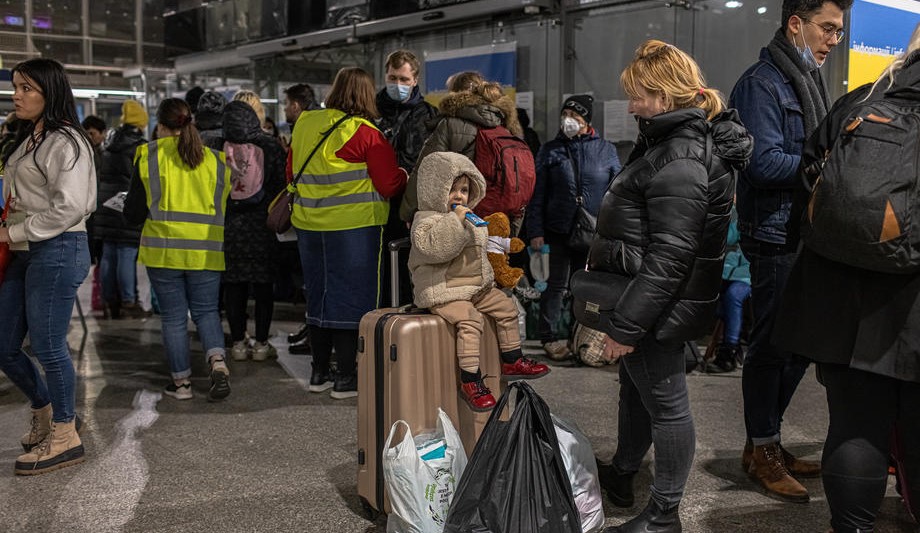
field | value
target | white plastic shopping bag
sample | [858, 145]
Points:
[580, 465]
[421, 476]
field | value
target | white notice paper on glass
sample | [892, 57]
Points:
[525, 101]
[619, 125]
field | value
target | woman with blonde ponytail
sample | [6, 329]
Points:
[662, 226]
[179, 192]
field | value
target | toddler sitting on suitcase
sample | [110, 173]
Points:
[452, 275]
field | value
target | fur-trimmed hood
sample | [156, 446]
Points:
[436, 175]
[476, 109]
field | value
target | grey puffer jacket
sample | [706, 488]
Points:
[448, 258]
[462, 115]
[664, 220]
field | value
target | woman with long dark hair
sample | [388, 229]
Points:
[50, 181]
[339, 214]
[179, 192]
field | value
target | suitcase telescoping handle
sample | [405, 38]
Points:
[395, 246]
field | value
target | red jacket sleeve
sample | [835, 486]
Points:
[289, 166]
[369, 146]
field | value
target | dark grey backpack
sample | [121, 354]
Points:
[864, 208]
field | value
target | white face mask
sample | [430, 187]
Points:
[570, 127]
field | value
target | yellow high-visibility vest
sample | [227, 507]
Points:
[185, 227]
[332, 193]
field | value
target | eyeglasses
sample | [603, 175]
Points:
[828, 30]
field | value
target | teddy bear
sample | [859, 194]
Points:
[500, 245]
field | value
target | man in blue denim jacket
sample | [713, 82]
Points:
[781, 100]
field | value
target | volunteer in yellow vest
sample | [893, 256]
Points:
[339, 213]
[180, 192]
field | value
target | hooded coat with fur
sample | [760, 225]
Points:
[462, 115]
[448, 258]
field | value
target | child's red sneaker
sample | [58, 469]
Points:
[477, 395]
[524, 368]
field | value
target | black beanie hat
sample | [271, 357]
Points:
[581, 104]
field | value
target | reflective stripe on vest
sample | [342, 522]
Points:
[333, 194]
[185, 226]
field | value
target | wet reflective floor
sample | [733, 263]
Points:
[273, 457]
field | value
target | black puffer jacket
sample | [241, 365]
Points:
[664, 220]
[404, 125]
[115, 177]
[250, 248]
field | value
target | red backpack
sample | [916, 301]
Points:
[506, 163]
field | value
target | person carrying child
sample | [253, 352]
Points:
[453, 278]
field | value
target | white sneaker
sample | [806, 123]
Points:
[240, 351]
[263, 350]
[179, 392]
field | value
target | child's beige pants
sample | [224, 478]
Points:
[466, 316]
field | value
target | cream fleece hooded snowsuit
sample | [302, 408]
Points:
[450, 270]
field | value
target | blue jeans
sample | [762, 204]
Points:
[181, 292]
[770, 375]
[118, 270]
[731, 309]
[37, 297]
[563, 261]
[655, 408]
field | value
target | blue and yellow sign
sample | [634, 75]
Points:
[879, 32]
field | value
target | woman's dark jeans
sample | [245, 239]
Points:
[37, 297]
[563, 261]
[864, 408]
[655, 408]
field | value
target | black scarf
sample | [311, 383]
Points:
[808, 85]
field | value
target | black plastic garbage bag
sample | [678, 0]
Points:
[516, 481]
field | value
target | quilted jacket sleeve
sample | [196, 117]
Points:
[676, 199]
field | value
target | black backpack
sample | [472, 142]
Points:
[864, 209]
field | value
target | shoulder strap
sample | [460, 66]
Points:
[580, 198]
[326, 135]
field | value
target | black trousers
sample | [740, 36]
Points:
[236, 297]
[864, 409]
[345, 342]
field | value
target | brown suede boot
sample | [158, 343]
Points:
[62, 448]
[798, 467]
[768, 469]
[40, 428]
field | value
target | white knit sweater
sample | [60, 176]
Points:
[52, 192]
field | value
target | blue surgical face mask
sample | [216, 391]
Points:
[399, 92]
[808, 57]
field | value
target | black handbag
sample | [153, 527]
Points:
[282, 206]
[582, 230]
[585, 224]
[595, 295]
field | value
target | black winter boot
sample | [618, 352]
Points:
[725, 359]
[653, 519]
[618, 485]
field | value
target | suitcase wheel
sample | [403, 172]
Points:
[369, 511]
